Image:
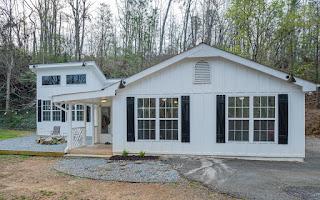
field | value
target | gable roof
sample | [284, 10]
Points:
[89, 64]
[205, 51]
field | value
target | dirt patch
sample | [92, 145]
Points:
[34, 178]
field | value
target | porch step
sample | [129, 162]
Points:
[86, 156]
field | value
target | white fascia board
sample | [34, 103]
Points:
[107, 92]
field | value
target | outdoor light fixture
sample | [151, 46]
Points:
[103, 100]
[241, 98]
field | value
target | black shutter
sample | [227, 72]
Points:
[130, 119]
[39, 110]
[88, 113]
[283, 118]
[221, 119]
[185, 119]
[63, 113]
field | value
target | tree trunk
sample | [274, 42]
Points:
[163, 26]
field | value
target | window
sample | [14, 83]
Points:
[264, 118]
[146, 118]
[202, 73]
[238, 118]
[76, 79]
[50, 80]
[46, 110]
[168, 114]
[77, 112]
[56, 113]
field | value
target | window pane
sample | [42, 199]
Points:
[256, 125]
[231, 135]
[175, 112]
[140, 113]
[246, 112]
[140, 134]
[175, 103]
[140, 103]
[76, 79]
[271, 113]
[231, 112]
[271, 136]
[264, 113]
[270, 125]
[256, 101]
[238, 102]
[50, 80]
[162, 113]
[231, 124]
[246, 102]
[175, 134]
[238, 135]
[231, 102]
[263, 125]
[245, 125]
[238, 113]
[168, 113]
[238, 125]
[162, 102]
[256, 136]
[245, 135]
[264, 101]
[263, 136]
[162, 134]
[175, 124]
[256, 112]
[271, 101]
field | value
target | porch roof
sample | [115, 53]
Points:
[94, 96]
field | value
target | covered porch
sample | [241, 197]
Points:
[87, 114]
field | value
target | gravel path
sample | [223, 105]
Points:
[28, 143]
[129, 171]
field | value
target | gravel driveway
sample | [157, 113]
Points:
[257, 179]
[129, 171]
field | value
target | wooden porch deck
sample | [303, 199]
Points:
[96, 150]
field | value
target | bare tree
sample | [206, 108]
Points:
[164, 26]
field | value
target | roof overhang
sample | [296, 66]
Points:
[87, 97]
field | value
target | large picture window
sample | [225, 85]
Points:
[51, 80]
[46, 110]
[264, 118]
[168, 111]
[238, 118]
[76, 79]
[146, 118]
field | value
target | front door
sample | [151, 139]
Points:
[106, 135]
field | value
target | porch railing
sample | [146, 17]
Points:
[78, 137]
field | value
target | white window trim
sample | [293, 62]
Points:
[251, 118]
[43, 110]
[137, 119]
[52, 111]
[157, 97]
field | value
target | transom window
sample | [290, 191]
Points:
[238, 118]
[56, 113]
[168, 111]
[76, 79]
[146, 118]
[264, 118]
[51, 80]
[46, 110]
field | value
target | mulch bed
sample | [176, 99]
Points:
[133, 157]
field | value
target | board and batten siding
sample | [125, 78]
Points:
[45, 92]
[228, 78]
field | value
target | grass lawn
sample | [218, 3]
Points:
[7, 134]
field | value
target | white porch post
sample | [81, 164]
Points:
[99, 124]
[85, 125]
[92, 123]
[69, 137]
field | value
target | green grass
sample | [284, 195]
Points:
[7, 134]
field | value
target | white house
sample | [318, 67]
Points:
[204, 101]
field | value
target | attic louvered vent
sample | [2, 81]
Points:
[202, 73]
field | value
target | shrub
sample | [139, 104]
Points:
[142, 154]
[125, 153]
